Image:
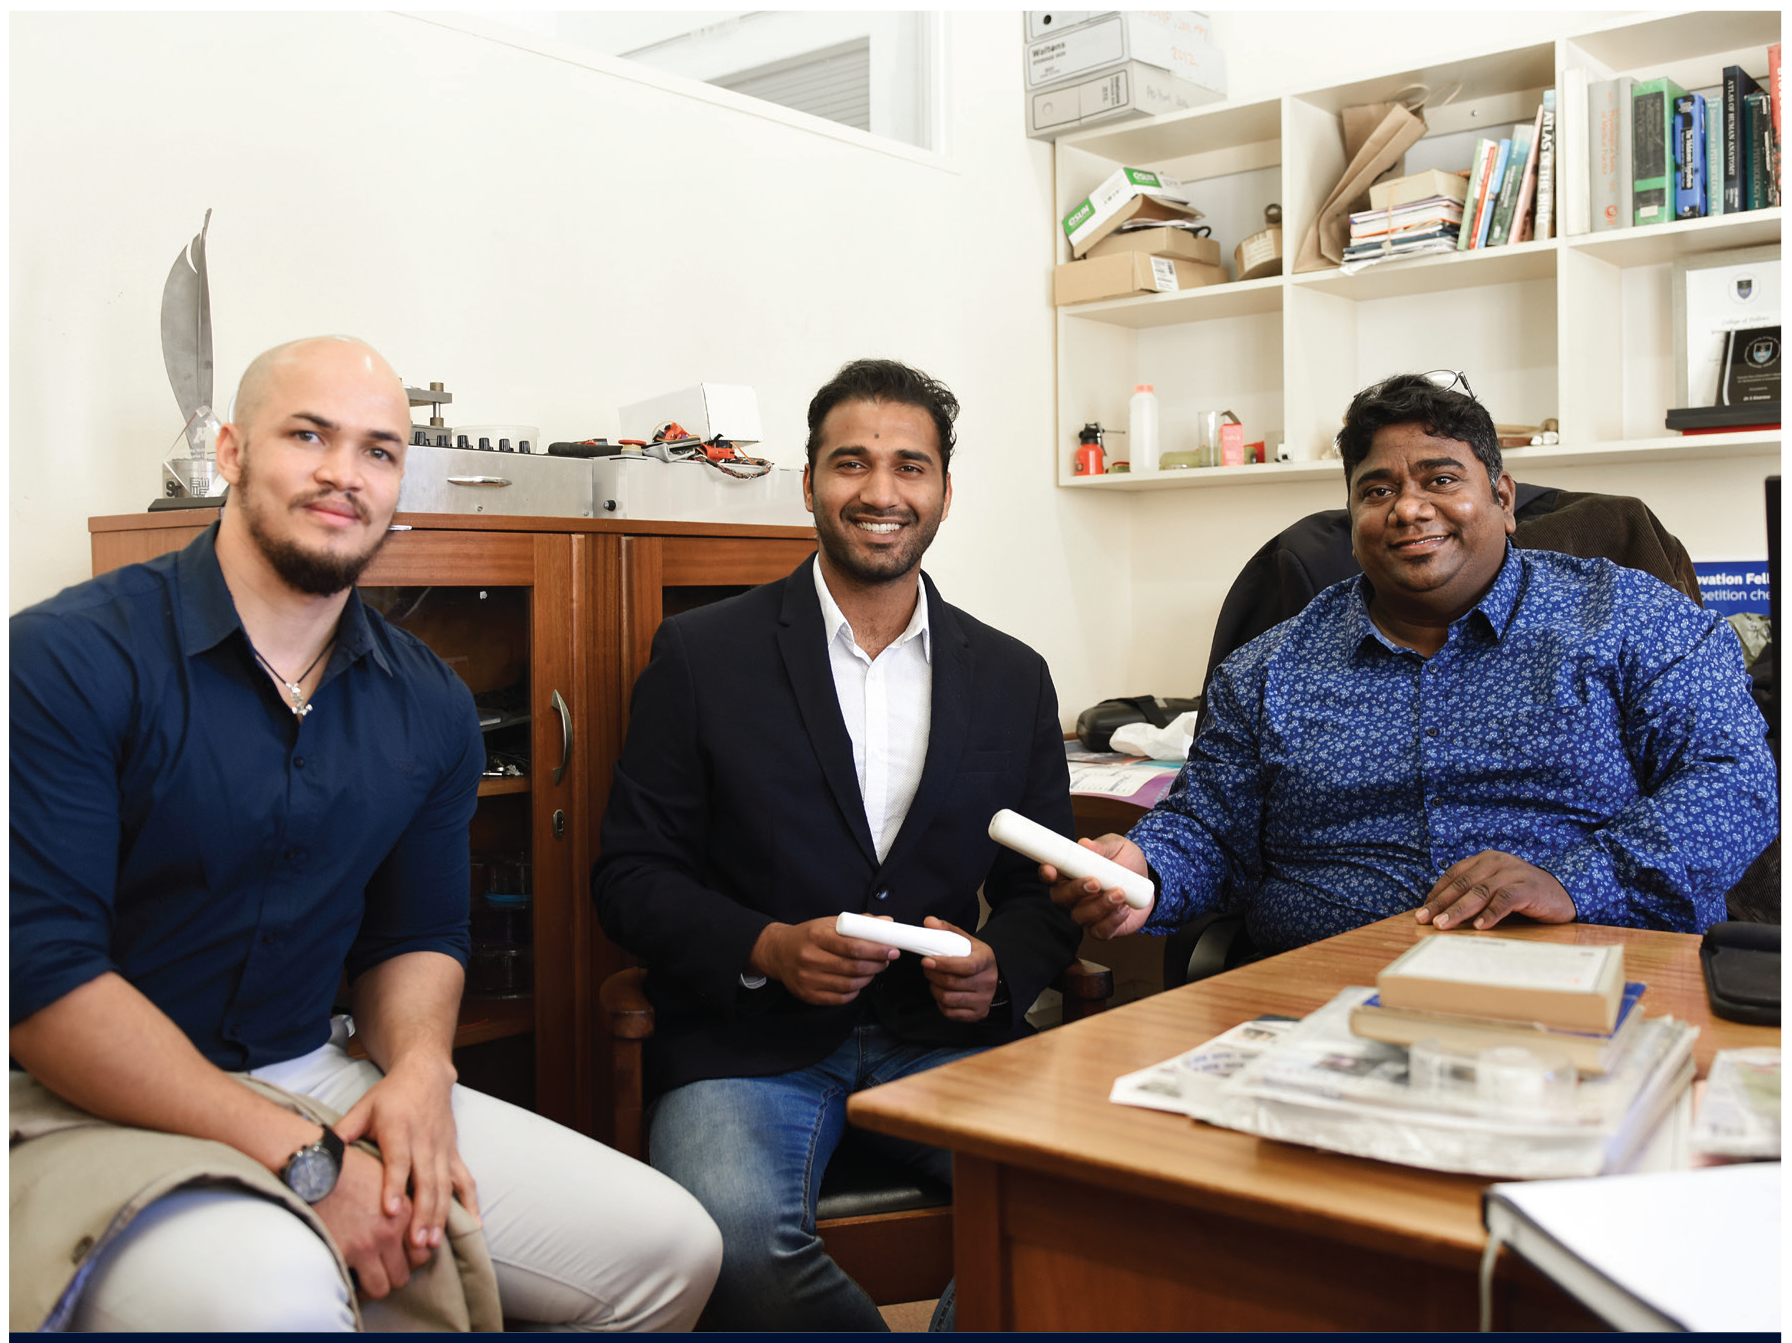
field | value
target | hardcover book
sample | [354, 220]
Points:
[1546, 169]
[1761, 187]
[1590, 1051]
[1564, 985]
[1714, 154]
[1689, 157]
[1651, 150]
[1522, 230]
[1479, 168]
[1490, 199]
[1500, 232]
[1738, 84]
[1608, 144]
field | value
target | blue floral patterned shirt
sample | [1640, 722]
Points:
[1583, 716]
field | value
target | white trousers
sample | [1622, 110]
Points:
[581, 1236]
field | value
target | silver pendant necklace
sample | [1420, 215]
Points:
[294, 688]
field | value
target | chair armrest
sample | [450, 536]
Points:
[1086, 988]
[623, 1006]
[623, 1000]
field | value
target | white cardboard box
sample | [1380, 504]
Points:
[1177, 40]
[1048, 22]
[1123, 93]
[708, 410]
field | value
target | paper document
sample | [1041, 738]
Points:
[1142, 784]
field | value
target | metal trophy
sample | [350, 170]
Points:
[190, 473]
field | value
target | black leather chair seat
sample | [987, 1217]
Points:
[861, 1182]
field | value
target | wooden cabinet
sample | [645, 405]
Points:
[1574, 328]
[573, 605]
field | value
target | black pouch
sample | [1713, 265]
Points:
[1742, 971]
[1095, 726]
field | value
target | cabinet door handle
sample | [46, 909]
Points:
[477, 480]
[565, 736]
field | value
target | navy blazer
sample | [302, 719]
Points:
[736, 804]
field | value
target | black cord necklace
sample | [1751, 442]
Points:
[294, 688]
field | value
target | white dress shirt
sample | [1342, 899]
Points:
[888, 708]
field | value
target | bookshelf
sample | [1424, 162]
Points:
[1570, 328]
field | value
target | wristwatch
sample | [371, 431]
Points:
[311, 1171]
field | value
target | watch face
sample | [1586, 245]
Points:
[311, 1174]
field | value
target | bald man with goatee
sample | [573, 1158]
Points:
[233, 785]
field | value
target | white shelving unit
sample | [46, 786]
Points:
[1574, 328]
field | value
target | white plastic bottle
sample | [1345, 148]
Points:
[1141, 428]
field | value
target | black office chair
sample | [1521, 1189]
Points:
[1299, 562]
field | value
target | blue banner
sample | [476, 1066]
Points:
[1731, 587]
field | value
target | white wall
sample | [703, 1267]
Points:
[545, 235]
[552, 233]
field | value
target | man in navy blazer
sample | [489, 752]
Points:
[836, 741]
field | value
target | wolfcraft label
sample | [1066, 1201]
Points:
[1163, 273]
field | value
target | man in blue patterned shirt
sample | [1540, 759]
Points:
[1466, 728]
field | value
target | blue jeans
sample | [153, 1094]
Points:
[752, 1150]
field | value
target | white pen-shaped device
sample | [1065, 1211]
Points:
[921, 941]
[1014, 831]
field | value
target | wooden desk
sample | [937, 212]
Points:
[1072, 1212]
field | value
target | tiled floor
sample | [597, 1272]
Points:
[909, 1318]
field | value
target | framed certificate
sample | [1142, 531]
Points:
[1715, 297]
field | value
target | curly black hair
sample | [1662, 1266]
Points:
[1412, 398]
[887, 380]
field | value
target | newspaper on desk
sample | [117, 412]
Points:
[1740, 1117]
[1190, 1083]
[1319, 1085]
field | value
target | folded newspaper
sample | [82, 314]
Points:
[1314, 1082]
[1739, 1119]
[1190, 1083]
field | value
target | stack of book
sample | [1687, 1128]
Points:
[1657, 152]
[1411, 229]
[1475, 993]
[1510, 198]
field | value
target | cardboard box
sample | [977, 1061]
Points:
[1125, 93]
[1128, 273]
[1171, 242]
[1131, 193]
[1178, 41]
[1418, 187]
[708, 410]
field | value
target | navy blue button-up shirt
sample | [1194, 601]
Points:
[1583, 716]
[174, 822]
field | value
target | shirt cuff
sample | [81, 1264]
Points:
[1586, 873]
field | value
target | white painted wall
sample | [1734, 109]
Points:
[552, 233]
[549, 233]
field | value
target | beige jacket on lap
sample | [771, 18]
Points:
[78, 1181]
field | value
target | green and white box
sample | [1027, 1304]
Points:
[1130, 193]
